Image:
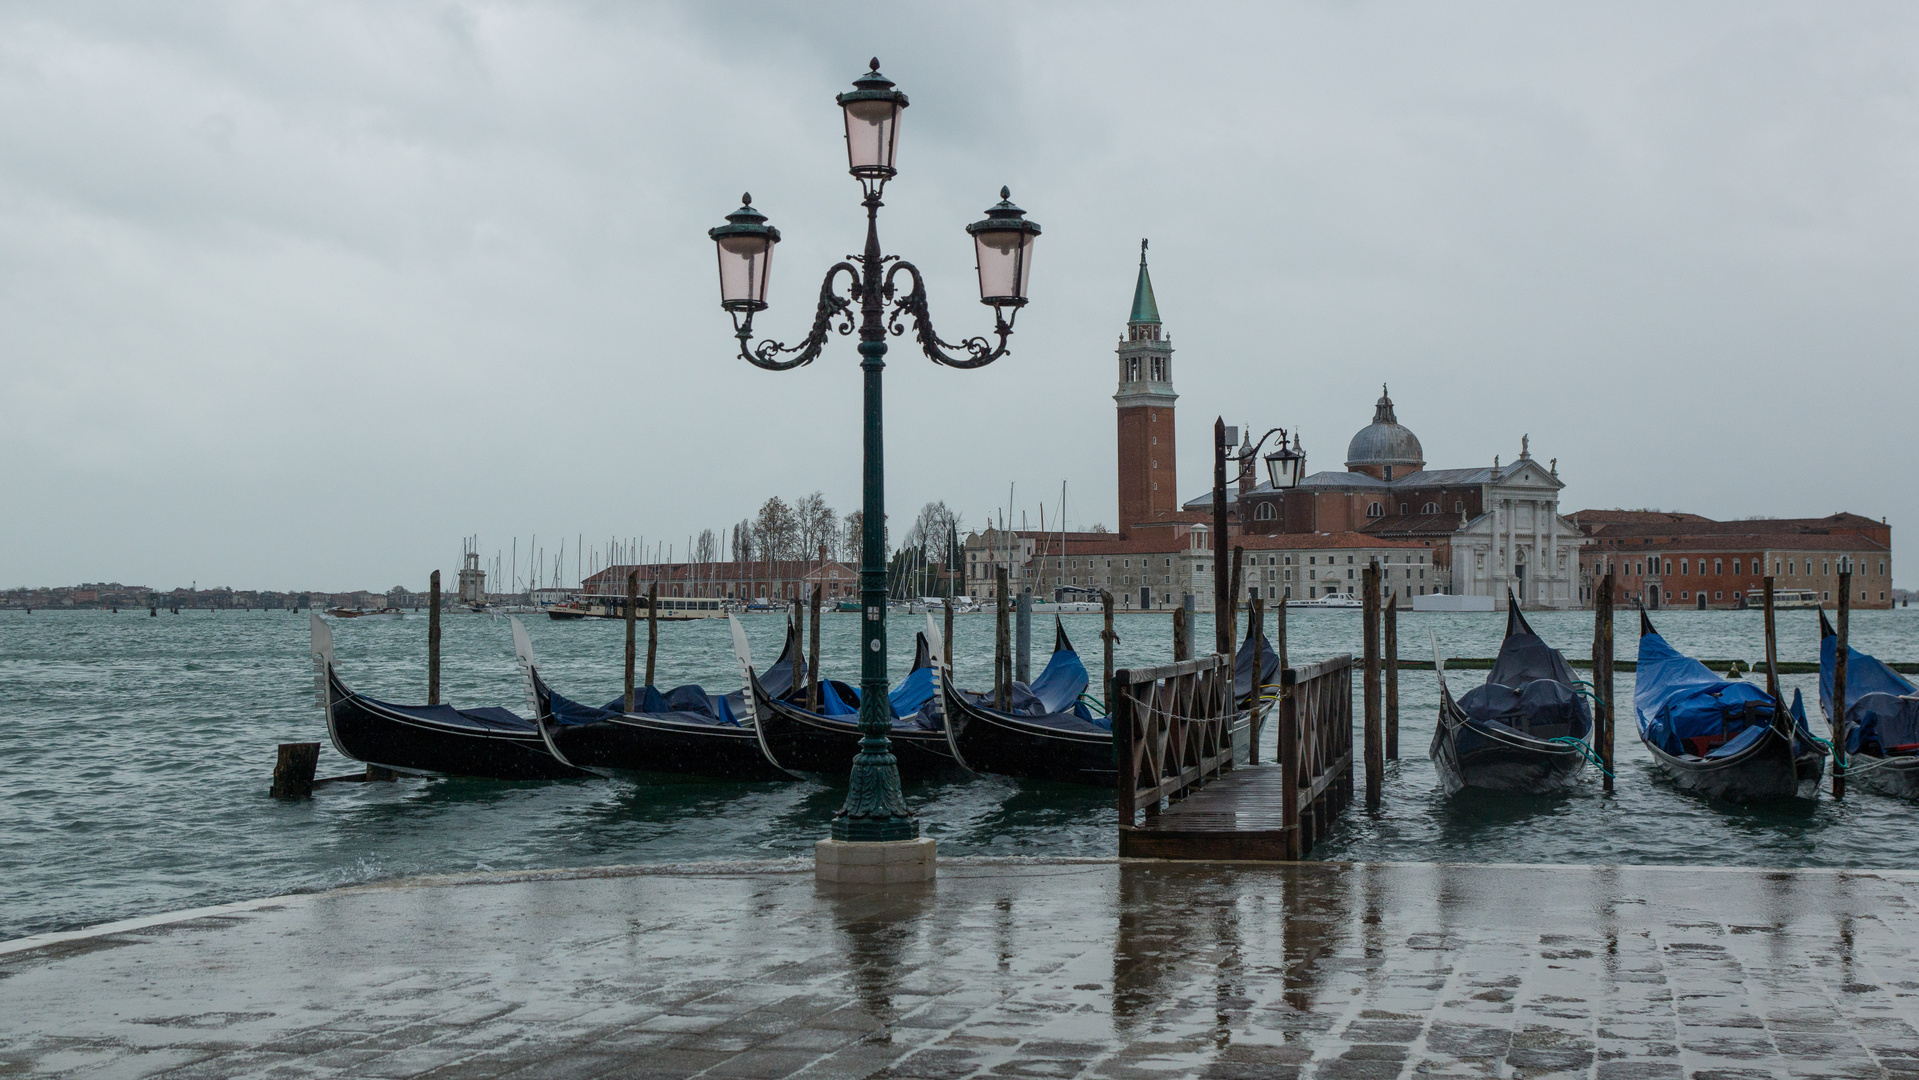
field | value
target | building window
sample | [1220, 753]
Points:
[1372, 510]
[1459, 506]
[1682, 571]
[1825, 567]
[1430, 508]
[1718, 596]
[1159, 369]
[1132, 369]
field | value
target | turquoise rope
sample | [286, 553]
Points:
[1090, 700]
[1585, 751]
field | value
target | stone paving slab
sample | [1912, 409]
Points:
[999, 969]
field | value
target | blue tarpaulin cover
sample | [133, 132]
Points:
[1678, 698]
[1882, 719]
[1530, 690]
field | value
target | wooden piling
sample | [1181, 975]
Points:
[1375, 756]
[433, 640]
[293, 772]
[1182, 639]
[1002, 643]
[1286, 755]
[1107, 637]
[1255, 626]
[1602, 677]
[813, 654]
[632, 619]
[1391, 640]
[1772, 646]
[1229, 619]
[946, 644]
[1279, 632]
[1838, 716]
[1023, 637]
[652, 627]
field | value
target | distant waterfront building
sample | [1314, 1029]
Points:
[1148, 463]
[753, 581]
[1491, 529]
[472, 578]
[1665, 560]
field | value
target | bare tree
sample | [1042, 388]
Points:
[816, 524]
[930, 530]
[1097, 526]
[707, 548]
[852, 541]
[774, 531]
[743, 541]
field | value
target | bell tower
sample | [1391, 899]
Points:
[1148, 467]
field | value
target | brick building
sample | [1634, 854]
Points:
[1685, 560]
[1157, 569]
[750, 581]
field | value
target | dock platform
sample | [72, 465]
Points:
[1240, 815]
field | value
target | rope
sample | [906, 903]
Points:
[1094, 703]
[1585, 751]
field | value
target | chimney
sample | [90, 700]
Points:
[822, 554]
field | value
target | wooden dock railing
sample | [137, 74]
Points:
[1172, 730]
[1315, 749]
[1178, 740]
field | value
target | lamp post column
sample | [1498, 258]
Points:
[875, 810]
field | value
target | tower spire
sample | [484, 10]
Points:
[1145, 310]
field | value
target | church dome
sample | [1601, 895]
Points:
[1385, 442]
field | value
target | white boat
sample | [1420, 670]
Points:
[1334, 600]
[672, 608]
[1781, 598]
[361, 613]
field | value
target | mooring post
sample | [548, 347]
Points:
[1279, 631]
[1023, 669]
[433, 640]
[813, 655]
[1375, 758]
[947, 644]
[1107, 637]
[1286, 753]
[293, 772]
[1230, 621]
[632, 618]
[1182, 643]
[1838, 715]
[1772, 648]
[652, 627]
[1002, 642]
[1602, 676]
[1255, 626]
[1391, 634]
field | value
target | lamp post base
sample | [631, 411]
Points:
[891, 862]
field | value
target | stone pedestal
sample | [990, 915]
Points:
[891, 863]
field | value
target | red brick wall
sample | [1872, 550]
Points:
[1148, 468]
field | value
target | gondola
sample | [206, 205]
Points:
[429, 740]
[1524, 730]
[1881, 718]
[684, 730]
[1725, 738]
[800, 740]
[1048, 733]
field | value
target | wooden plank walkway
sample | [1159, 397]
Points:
[1240, 815]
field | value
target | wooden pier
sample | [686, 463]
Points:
[1188, 788]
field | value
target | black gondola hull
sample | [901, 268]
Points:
[1532, 767]
[1898, 777]
[1767, 771]
[636, 743]
[803, 742]
[992, 742]
[363, 730]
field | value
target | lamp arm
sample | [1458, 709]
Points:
[1254, 452]
[766, 354]
[979, 351]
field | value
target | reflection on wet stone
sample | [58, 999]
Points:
[1010, 969]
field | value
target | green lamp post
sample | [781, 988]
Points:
[1003, 247]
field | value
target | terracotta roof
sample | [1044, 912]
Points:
[1772, 527]
[1413, 525]
[1631, 517]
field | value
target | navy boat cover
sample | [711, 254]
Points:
[1880, 707]
[1529, 690]
[1686, 709]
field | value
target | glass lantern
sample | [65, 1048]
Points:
[1286, 466]
[1003, 245]
[745, 245]
[872, 127]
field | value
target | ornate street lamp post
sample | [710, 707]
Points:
[1003, 246]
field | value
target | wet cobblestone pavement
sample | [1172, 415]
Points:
[1001, 969]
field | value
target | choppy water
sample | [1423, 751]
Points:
[135, 755]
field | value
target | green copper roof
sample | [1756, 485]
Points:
[1144, 309]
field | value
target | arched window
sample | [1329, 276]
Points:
[1265, 512]
[1373, 510]
[1430, 508]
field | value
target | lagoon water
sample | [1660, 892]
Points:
[135, 754]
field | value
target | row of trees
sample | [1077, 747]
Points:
[797, 530]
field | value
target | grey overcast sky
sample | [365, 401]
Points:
[299, 294]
